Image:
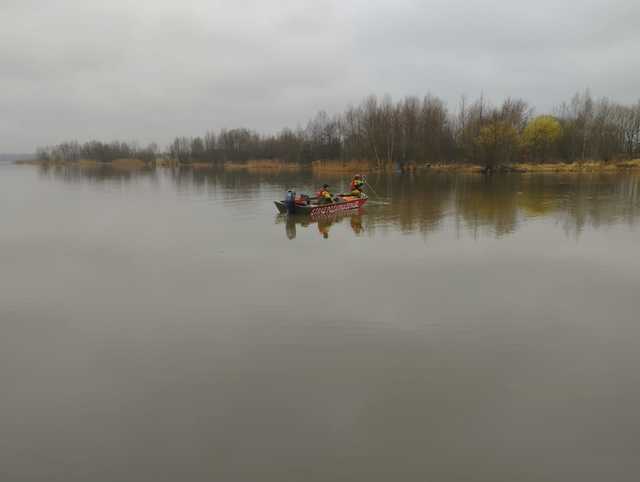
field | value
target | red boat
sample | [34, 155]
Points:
[312, 207]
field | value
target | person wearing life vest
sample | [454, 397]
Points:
[357, 185]
[324, 196]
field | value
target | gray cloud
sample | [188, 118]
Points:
[152, 69]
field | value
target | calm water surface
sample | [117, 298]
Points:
[168, 325]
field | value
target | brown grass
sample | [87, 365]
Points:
[454, 167]
[83, 163]
[28, 161]
[633, 164]
[341, 166]
[587, 166]
[263, 166]
[336, 168]
[128, 164]
[201, 165]
[163, 162]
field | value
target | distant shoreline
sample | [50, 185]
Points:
[339, 167]
[118, 163]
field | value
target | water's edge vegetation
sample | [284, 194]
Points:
[339, 167]
[380, 134]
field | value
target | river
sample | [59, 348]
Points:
[163, 325]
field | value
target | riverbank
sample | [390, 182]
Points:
[520, 167]
[351, 167]
[263, 165]
[117, 163]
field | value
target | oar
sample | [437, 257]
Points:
[372, 189]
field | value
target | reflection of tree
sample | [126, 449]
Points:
[576, 199]
[410, 203]
[95, 173]
[414, 203]
[487, 201]
[628, 189]
[235, 183]
[599, 200]
[537, 195]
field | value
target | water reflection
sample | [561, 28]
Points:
[95, 173]
[163, 313]
[412, 203]
[322, 223]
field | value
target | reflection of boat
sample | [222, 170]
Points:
[323, 222]
[310, 206]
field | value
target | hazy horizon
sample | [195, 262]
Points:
[150, 71]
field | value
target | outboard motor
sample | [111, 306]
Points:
[290, 201]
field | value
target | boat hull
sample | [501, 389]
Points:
[313, 210]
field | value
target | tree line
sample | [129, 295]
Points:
[412, 130]
[97, 151]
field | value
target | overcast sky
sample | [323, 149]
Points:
[153, 69]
